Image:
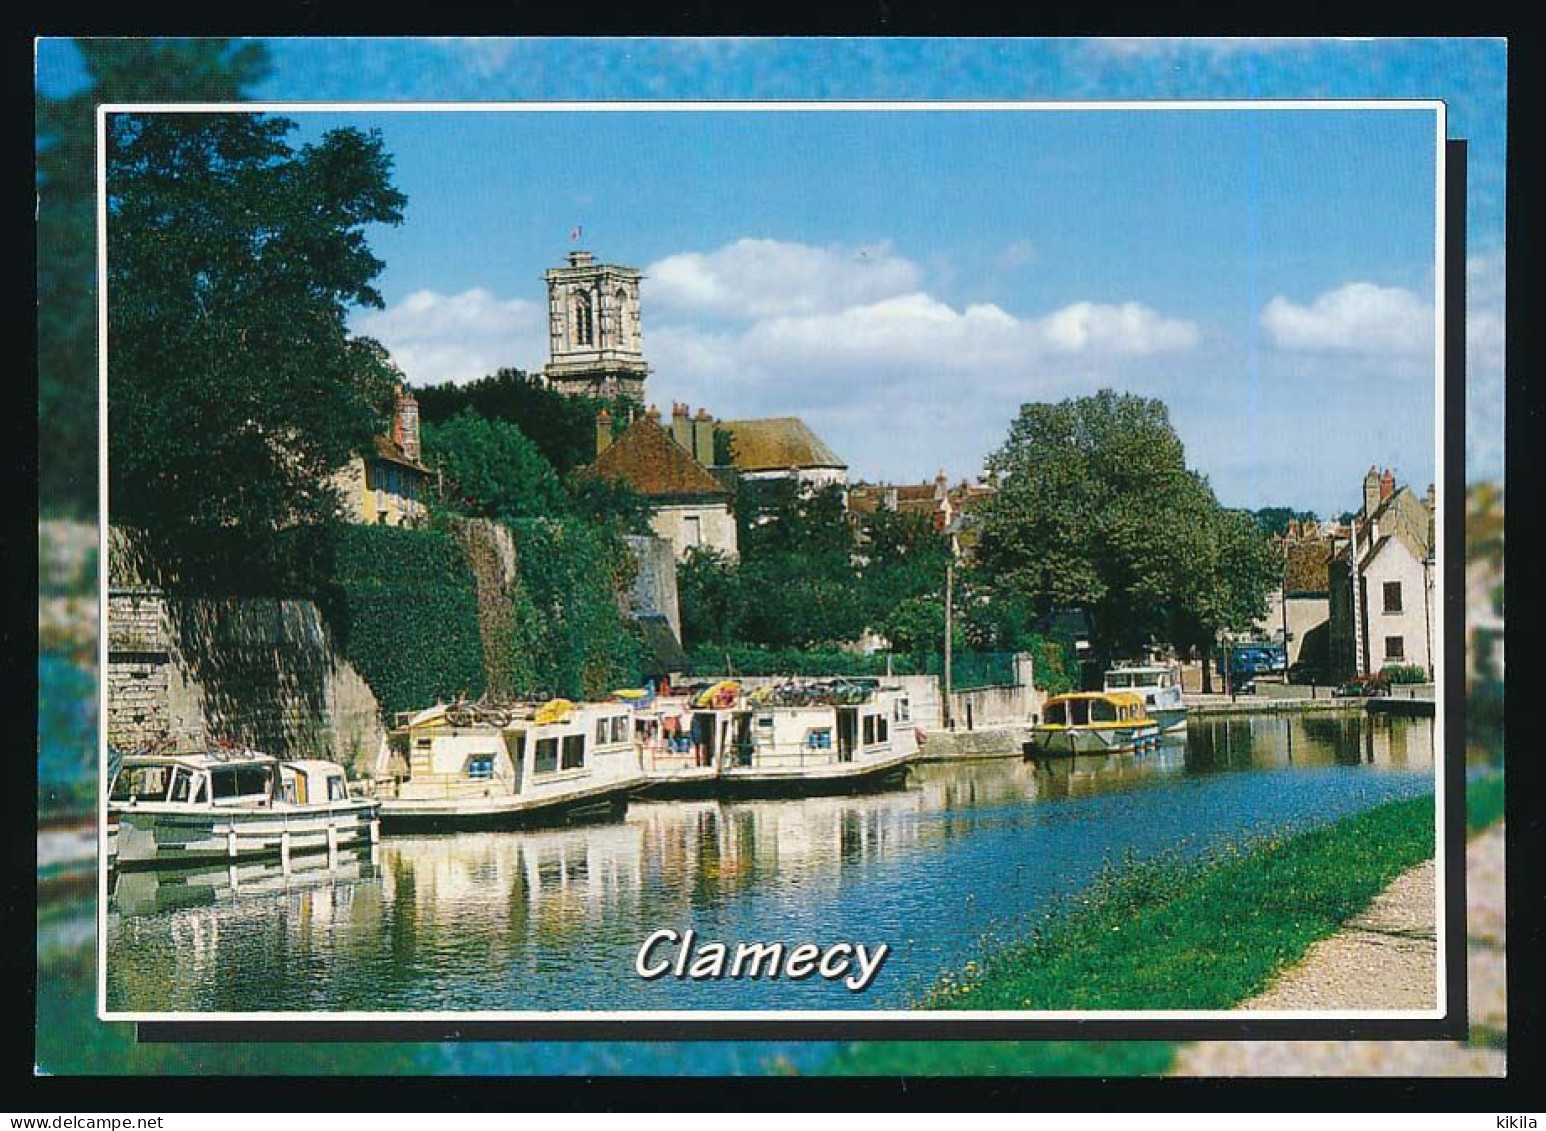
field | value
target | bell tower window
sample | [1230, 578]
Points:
[584, 320]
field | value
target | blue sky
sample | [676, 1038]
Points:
[905, 281]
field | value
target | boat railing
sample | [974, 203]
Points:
[447, 786]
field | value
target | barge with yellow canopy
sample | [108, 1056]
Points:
[1093, 722]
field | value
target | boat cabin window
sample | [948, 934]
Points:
[182, 782]
[612, 731]
[620, 728]
[480, 767]
[869, 730]
[141, 783]
[1118, 679]
[546, 760]
[574, 751]
[239, 781]
[901, 711]
[819, 738]
[765, 722]
[287, 791]
[1057, 714]
[1103, 711]
[1078, 712]
[338, 789]
[1146, 679]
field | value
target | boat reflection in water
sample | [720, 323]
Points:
[150, 892]
[1083, 775]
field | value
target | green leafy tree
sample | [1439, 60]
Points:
[709, 593]
[562, 427]
[116, 70]
[491, 469]
[1096, 509]
[236, 391]
[917, 625]
[904, 558]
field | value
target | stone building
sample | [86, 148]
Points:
[782, 447]
[388, 485]
[1383, 581]
[690, 507]
[1299, 609]
[595, 347]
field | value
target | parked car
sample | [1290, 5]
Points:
[1369, 686]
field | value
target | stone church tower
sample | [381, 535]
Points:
[593, 330]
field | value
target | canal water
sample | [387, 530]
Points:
[968, 854]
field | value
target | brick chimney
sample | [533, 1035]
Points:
[653, 413]
[405, 424]
[1387, 485]
[703, 438]
[603, 431]
[681, 426]
[1371, 491]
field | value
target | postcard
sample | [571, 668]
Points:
[818, 569]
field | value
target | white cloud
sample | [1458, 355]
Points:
[764, 278]
[1357, 318]
[436, 337]
[1130, 328]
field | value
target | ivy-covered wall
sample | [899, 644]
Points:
[404, 608]
[571, 578]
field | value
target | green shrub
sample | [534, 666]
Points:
[1405, 673]
[404, 608]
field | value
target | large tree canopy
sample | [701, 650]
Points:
[492, 470]
[1097, 510]
[117, 70]
[235, 390]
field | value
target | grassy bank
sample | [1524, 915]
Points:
[1170, 934]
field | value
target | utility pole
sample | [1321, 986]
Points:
[950, 579]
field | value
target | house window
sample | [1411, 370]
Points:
[1393, 596]
[694, 528]
[1395, 648]
[574, 751]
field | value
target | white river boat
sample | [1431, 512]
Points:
[229, 805]
[1160, 688]
[796, 738]
[475, 766]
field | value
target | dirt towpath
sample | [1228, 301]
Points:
[1386, 959]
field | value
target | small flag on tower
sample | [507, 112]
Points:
[574, 233]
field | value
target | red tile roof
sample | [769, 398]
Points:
[648, 460]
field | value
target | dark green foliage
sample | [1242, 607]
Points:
[1405, 673]
[1274, 520]
[1199, 935]
[562, 427]
[491, 469]
[609, 503]
[117, 70]
[570, 577]
[904, 560]
[236, 391]
[403, 605]
[1096, 509]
